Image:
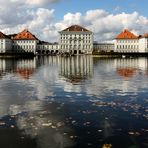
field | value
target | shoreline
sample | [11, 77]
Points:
[17, 55]
[119, 55]
[96, 54]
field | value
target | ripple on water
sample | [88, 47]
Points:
[91, 101]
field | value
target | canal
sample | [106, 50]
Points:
[74, 102]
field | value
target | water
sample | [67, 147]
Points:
[73, 102]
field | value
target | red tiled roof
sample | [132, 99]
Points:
[3, 36]
[25, 35]
[75, 28]
[126, 34]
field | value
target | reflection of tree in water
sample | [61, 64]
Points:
[76, 69]
[6, 66]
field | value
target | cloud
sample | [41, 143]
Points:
[40, 2]
[32, 2]
[105, 25]
[15, 15]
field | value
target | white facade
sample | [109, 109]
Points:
[127, 42]
[5, 45]
[106, 47]
[127, 45]
[25, 45]
[47, 48]
[76, 41]
[143, 44]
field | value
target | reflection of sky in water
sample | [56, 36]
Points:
[56, 99]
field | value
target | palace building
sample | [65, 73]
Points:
[76, 40]
[103, 47]
[126, 41]
[5, 43]
[25, 41]
[73, 40]
[143, 43]
[45, 48]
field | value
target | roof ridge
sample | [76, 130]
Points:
[25, 34]
[75, 27]
[3, 36]
[126, 34]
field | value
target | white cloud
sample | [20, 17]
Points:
[15, 15]
[92, 15]
[105, 25]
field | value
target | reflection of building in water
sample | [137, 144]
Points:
[76, 68]
[45, 60]
[26, 67]
[129, 67]
[126, 62]
[5, 66]
[126, 72]
[2, 65]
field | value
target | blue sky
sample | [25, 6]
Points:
[112, 6]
